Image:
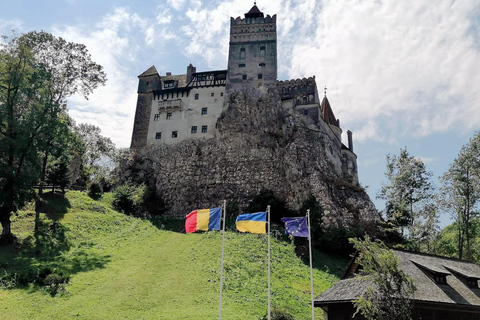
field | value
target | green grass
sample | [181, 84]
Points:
[121, 267]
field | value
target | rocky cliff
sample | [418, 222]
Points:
[259, 146]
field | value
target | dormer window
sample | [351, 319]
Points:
[437, 275]
[169, 84]
[468, 279]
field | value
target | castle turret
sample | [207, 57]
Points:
[252, 57]
[329, 118]
[147, 82]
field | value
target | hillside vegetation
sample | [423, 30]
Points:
[120, 267]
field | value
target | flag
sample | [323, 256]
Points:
[297, 226]
[252, 222]
[205, 219]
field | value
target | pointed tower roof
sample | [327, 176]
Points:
[149, 72]
[254, 12]
[327, 112]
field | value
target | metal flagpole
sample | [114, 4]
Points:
[268, 212]
[223, 251]
[311, 269]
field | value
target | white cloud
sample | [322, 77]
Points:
[113, 44]
[164, 17]
[405, 65]
[7, 26]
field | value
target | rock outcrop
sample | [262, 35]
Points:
[259, 146]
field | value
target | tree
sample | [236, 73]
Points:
[37, 72]
[409, 194]
[390, 294]
[461, 192]
[58, 173]
[96, 156]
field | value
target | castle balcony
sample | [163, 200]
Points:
[170, 105]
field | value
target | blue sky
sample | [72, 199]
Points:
[399, 73]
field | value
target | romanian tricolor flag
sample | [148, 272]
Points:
[205, 219]
[252, 222]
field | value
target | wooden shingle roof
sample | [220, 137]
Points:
[455, 291]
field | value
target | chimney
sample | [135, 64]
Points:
[190, 71]
[350, 140]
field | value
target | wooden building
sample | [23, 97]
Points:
[446, 288]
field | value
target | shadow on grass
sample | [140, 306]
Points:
[46, 260]
[54, 205]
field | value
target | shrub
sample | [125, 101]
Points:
[124, 199]
[336, 240]
[95, 191]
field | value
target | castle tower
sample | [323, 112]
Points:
[252, 57]
[147, 82]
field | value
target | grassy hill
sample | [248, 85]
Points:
[120, 267]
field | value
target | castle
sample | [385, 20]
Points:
[173, 108]
[204, 137]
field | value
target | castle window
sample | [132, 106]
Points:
[261, 64]
[242, 53]
[213, 94]
[305, 112]
[196, 96]
[260, 76]
[241, 65]
[156, 117]
[204, 129]
[262, 52]
[204, 111]
[194, 129]
[158, 135]
[304, 99]
[221, 94]
[169, 116]
[174, 134]
[244, 77]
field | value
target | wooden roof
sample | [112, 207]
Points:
[456, 291]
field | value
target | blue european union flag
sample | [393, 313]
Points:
[297, 226]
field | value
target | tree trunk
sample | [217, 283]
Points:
[6, 225]
[44, 173]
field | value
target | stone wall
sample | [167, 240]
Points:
[259, 146]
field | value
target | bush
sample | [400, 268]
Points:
[95, 191]
[136, 200]
[124, 198]
[336, 240]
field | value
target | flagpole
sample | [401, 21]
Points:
[223, 252]
[311, 268]
[268, 212]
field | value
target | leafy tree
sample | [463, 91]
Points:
[96, 155]
[37, 73]
[59, 174]
[461, 193]
[409, 195]
[390, 294]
